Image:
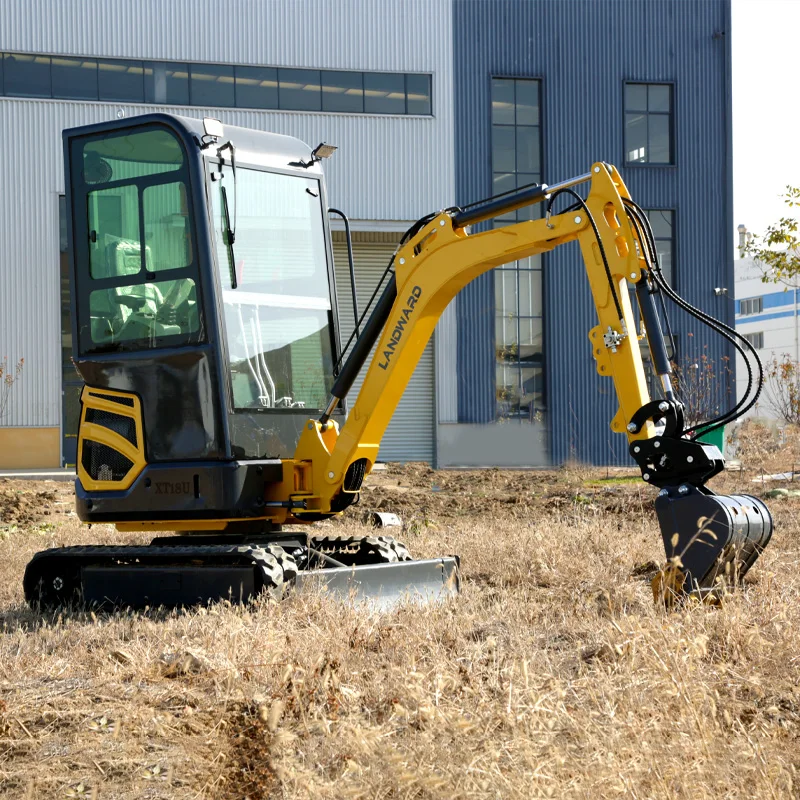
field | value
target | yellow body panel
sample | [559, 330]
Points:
[177, 525]
[90, 431]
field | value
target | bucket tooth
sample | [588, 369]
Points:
[711, 538]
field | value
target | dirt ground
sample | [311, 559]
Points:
[553, 674]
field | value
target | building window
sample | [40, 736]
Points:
[214, 85]
[74, 77]
[300, 89]
[26, 75]
[516, 162]
[120, 81]
[753, 305]
[756, 339]
[343, 91]
[662, 223]
[648, 123]
[166, 82]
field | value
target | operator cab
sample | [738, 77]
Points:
[202, 293]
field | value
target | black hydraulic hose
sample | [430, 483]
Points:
[635, 212]
[715, 325]
[651, 257]
[362, 347]
[365, 312]
[582, 203]
[726, 331]
[418, 225]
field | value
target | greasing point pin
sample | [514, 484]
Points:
[331, 475]
[578, 220]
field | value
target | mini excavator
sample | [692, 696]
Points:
[205, 327]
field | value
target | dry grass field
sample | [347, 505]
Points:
[552, 675]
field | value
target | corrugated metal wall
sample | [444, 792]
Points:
[387, 168]
[583, 51]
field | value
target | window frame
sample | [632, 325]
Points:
[148, 67]
[755, 305]
[85, 283]
[673, 278]
[514, 267]
[673, 144]
[758, 344]
[220, 272]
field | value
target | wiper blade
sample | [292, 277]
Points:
[230, 237]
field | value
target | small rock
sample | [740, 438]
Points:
[121, 656]
[174, 665]
[601, 652]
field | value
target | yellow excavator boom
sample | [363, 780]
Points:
[432, 267]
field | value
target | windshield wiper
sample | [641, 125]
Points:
[230, 237]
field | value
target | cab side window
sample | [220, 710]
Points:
[135, 254]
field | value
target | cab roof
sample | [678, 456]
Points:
[259, 148]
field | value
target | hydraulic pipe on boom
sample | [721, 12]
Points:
[440, 259]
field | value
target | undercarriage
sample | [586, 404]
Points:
[186, 570]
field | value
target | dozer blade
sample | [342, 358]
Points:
[710, 539]
[382, 586]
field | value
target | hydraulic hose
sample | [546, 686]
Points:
[642, 224]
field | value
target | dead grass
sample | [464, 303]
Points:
[552, 675]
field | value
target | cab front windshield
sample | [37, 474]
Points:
[272, 260]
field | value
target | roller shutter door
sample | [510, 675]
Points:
[410, 435]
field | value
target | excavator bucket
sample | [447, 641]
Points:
[710, 540]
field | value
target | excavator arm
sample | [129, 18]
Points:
[432, 267]
[438, 259]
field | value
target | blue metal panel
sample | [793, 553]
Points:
[584, 51]
[766, 317]
[771, 300]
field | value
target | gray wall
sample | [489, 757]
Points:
[583, 51]
[388, 168]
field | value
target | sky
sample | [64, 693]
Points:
[766, 109]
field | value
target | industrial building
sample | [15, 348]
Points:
[768, 315]
[431, 103]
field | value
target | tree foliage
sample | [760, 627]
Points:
[703, 384]
[782, 388]
[778, 250]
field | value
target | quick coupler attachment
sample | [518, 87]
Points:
[710, 540]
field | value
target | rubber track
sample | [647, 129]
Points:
[363, 549]
[276, 565]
